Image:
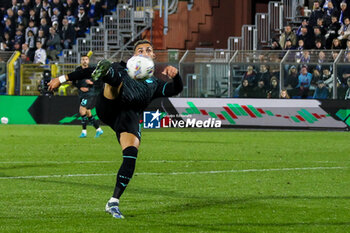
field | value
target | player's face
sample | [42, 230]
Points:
[85, 61]
[145, 50]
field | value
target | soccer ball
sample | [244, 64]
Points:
[4, 120]
[140, 67]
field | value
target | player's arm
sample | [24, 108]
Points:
[73, 76]
[168, 89]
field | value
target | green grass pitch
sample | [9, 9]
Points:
[185, 181]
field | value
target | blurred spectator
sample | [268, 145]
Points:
[28, 52]
[332, 32]
[321, 91]
[288, 34]
[315, 14]
[345, 70]
[42, 38]
[9, 28]
[57, 17]
[347, 49]
[11, 16]
[71, 6]
[45, 7]
[53, 44]
[17, 46]
[67, 34]
[305, 58]
[31, 28]
[319, 45]
[320, 25]
[284, 94]
[82, 23]
[33, 17]
[21, 19]
[55, 26]
[304, 81]
[347, 93]
[288, 45]
[40, 54]
[26, 6]
[94, 12]
[344, 12]
[260, 90]
[45, 27]
[304, 23]
[25, 59]
[37, 8]
[321, 59]
[344, 31]
[291, 81]
[300, 45]
[336, 44]
[250, 75]
[329, 12]
[264, 75]
[70, 17]
[275, 45]
[316, 76]
[44, 15]
[274, 90]
[30, 40]
[245, 91]
[319, 36]
[326, 74]
[81, 4]
[19, 38]
[56, 4]
[7, 44]
[306, 37]
[15, 6]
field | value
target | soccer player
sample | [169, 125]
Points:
[120, 105]
[87, 97]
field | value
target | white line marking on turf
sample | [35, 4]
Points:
[157, 161]
[178, 173]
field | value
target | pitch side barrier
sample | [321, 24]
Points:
[192, 112]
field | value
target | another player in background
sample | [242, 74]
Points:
[121, 104]
[87, 95]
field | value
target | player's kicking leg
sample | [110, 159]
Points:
[109, 74]
[129, 144]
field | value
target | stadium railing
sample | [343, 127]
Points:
[219, 73]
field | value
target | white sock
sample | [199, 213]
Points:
[113, 199]
[99, 129]
[84, 131]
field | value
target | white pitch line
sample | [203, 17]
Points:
[178, 173]
[153, 161]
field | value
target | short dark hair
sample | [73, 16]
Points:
[142, 42]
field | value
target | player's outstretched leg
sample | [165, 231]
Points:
[124, 175]
[112, 207]
[111, 73]
[101, 69]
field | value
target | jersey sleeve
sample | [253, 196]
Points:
[80, 74]
[168, 89]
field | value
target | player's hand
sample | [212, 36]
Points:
[53, 84]
[88, 81]
[84, 89]
[170, 71]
